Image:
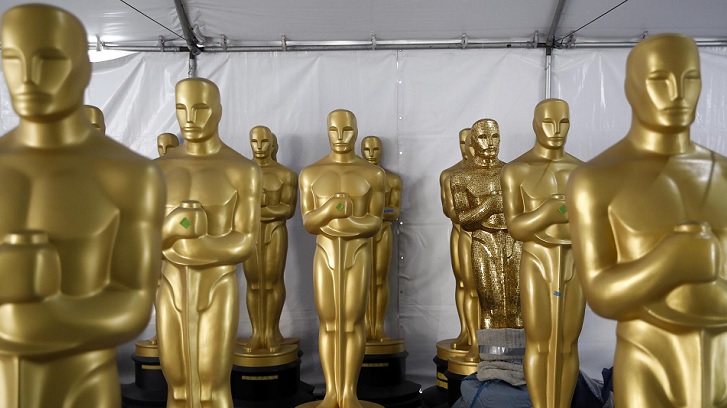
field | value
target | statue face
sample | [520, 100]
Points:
[342, 131]
[198, 109]
[371, 149]
[45, 61]
[463, 135]
[663, 81]
[95, 116]
[551, 123]
[166, 141]
[261, 142]
[485, 139]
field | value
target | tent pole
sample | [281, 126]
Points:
[548, 70]
[187, 29]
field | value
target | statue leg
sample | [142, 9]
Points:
[461, 341]
[279, 248]
[535, 300]
[354, 338]
[252, 270]
[381, 276]
[170, 331]
[323, 283]
[471, 305]
[217, 332]
[574, 307]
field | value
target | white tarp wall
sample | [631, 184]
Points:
[416, 101]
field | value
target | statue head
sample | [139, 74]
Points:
[274, 140]
[485, 138]
[166, 141]
[198, 109]
[261, 142]
[45, 61]
[342, 131]
[463, 135]
[663, 82]
[95, 116]
[551, 123]
[371, 149]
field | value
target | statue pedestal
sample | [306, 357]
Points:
[438, 395]
[262, 379]
[457, 370]
[149, 388]
[383, 376]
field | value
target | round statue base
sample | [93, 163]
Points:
[364, 404]
[149, 388]
[437, 395]
[383, 376]
[457, 370]
[268, 379]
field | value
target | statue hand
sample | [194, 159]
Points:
[264, 201]
[695, 250]
[186, 221]
[341, 205]
[555, 209]
[30, 268]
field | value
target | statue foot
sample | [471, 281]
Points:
[460, 344]
[472, 356]
[251, 344]
[350, 402]
[329, 401]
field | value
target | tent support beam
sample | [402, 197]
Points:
[189, 37]
[554, 25]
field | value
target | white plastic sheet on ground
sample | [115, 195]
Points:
[416, 101]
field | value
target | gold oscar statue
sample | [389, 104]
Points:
[264, 269]
[467, 306]
[342, 203]
[381, 247]
[649, 229]
[213, 217]
[166, 141]
[95, 116]
[81, 225]
[495, 254]
[533, 187]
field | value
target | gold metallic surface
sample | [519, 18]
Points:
[212, 222]
[445, 350]
[264, 269]
[462, 365]
[166, 141]
[81, 221]
[466, 301]
[95, 116]
[381, 245]
[649, 231]
[533, 187]
[478, 208]
[283, 354]
[342, 202]
[385, 346]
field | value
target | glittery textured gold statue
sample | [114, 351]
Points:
[460, 251]
[495, 254]
[533, 187]
[166, 141]
[95, 116]
[264, 269]
[649, 231]
[81, 222]
[213, 217]
[381, 244]
[342, 203]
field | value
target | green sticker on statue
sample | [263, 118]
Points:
[562, 209]
[186, 223]
[339, 207]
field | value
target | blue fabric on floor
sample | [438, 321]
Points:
[492, 394]
[589, 393]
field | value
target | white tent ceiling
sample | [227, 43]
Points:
[250, 21]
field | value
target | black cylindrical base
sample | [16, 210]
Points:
[274, 387]
[149, 388]
[383, 380]
[454, 381]
[434, 397]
